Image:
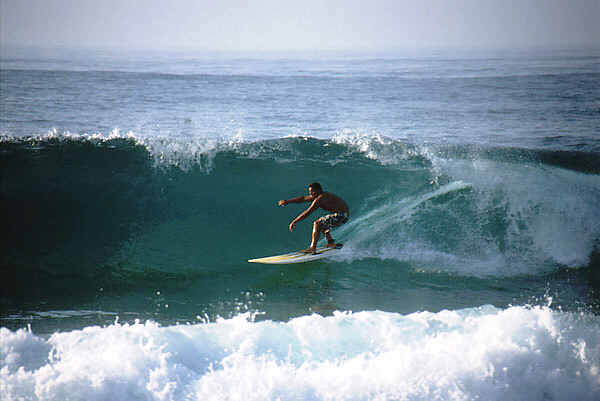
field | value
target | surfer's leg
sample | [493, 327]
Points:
[328, 223]
[330, 240]
[315, 234]
[315, 237]
[325, 227]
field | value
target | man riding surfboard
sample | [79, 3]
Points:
[326, 201]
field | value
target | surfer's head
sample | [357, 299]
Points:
[316, 189]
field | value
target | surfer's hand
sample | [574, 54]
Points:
[292, 226]
[282, 203]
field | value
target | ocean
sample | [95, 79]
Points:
[135, 187]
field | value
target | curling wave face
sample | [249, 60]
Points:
[500, 212]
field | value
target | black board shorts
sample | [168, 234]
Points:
[333, 220]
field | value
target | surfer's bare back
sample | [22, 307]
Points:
[326, 201]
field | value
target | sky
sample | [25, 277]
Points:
[281, 25]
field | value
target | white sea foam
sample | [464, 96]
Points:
[377, 147]
[519, 353]
[522, 218]
[184, 152]
[552, 213]
[190, 151]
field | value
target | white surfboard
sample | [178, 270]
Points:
[298, 256]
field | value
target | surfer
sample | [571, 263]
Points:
[326, 201]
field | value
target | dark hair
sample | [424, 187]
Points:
[316, 186]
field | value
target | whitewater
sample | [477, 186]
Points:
[134, 189]
[520, 353]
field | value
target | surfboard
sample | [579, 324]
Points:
[298, 256]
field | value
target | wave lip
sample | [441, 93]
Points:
[520, 353]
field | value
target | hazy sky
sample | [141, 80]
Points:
[300, 25]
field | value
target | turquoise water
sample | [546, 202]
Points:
[135, 189]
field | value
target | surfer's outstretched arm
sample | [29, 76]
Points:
[304, 214]
[297, 199]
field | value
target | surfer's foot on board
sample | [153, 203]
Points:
[332, 244]
[310, 250]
